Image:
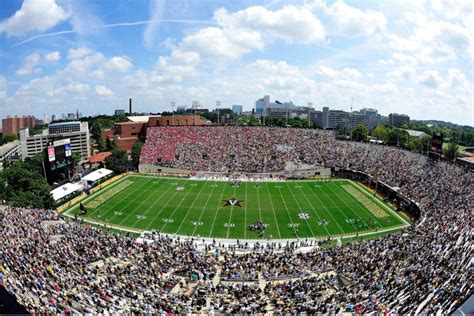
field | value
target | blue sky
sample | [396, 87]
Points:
[413, 57]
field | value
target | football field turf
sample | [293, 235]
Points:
[218, 209]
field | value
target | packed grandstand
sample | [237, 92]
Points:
[61, 266]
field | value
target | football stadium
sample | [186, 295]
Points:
[229, 219]
[216, 157]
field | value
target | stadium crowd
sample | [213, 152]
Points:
[52, 265]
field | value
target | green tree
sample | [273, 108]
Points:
[96, 130]
[76, 158]
[381, 133]
[136, 151]
[397, 137]
[101, 144]
[10, 138]
[117, 162]
[359, 133]
[23, 185]
[451, 151]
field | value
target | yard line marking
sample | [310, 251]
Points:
[190, 207]
[273, 208]
[314, 210]
[288, 212]
[245, 210]
[364, 208]
[230, 217]
[98, 193]
[150, 208]
[301, 210]
[319, 200]
[164, 206]
[340, 210]
[135, 210]
[120, 201]
[176, 208]
[217, 211]
[203, 209]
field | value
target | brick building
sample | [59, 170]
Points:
[126, 134]
[13, 124]
[176, 120]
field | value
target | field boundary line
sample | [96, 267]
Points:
[94, 195]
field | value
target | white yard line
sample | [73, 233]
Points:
[377, 219]
[339, 209]
[164, 206]
[299, 207]
[319, 200]
[190, 208]
[203, 209]
[230, 217]
[217, 211]
[273, 209]
[313, 209]
[154, 203]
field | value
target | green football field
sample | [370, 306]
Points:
[219, 209]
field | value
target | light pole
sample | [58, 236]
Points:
[173, 105]
[218, 105]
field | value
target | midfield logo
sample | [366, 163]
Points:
[232, 202]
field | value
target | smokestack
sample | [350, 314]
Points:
[130, 106]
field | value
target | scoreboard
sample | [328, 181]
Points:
[437, 143]
[58, 160]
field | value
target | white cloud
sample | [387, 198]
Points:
[34, 15]
[248, 30]
[402, 73]
[351, 21]
[29, 64]
[119, 63]
[103, 91]
[156, 8]
[52, 57]
[345, 73]
[290, 23]
[79, 52]
[430, 78]
[84, 66]
[3, 87]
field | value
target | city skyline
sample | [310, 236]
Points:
[397, 57]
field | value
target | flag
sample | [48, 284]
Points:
[83, 209]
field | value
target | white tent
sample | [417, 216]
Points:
[65, 190]
[96, 175]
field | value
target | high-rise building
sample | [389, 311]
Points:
[398, 120]
[338, 119]
[237, 109]
[119, 112]
[76, 132]
[368, 112]
[13, 124]
[277, 109]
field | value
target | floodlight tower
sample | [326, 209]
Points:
[218, 105]
[173, 105]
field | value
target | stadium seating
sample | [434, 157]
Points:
[57, 266]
